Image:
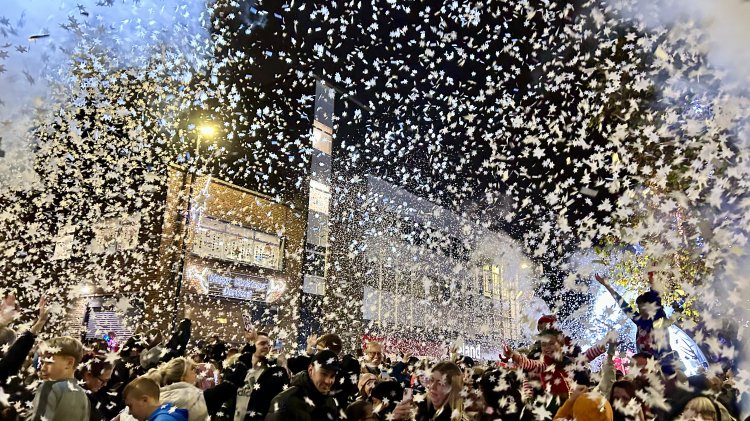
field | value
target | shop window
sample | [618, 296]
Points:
[314, 285]
[418, 287]
[445, 291]
[487, 281]
[492, 281]
[222, 240]
[115, 234]
[316, 261]
[320, 197]
[322, 141]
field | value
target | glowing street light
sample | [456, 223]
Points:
[207, 130]
[204, 131]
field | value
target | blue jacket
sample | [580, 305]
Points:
[168, 412]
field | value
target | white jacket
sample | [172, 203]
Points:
[187, 396]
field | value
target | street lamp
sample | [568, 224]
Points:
[208, 131]
[204, 130]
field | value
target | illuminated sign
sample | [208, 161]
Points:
[240, 286]
[473, 351]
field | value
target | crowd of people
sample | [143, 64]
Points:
[153, 378]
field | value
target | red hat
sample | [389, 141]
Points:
[547, 319]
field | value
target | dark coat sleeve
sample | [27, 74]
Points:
[633, 314]
[286, 414]
[217, 395]
[13, 360]
[226, 390]
[234, 378]
[397, 372]
[177, 344]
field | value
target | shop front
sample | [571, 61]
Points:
[241, 261]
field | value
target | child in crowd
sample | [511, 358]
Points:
[142, 399]
[60, 398]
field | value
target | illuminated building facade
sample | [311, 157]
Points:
[433, 275]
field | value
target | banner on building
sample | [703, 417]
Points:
[230, 284]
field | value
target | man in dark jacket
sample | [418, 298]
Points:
[309, 397]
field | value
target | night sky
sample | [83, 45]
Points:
[441, 130]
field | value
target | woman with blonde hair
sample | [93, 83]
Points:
[443, 401]
[176, 380]
[700, 408]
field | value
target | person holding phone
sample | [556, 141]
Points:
[385, 396]
[443, 401]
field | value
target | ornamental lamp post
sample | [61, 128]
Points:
[204, 131]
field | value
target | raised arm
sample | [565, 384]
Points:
[616, 295]
[602, 346]
[41, 320]
[526, 364]
[14, 358]
[609, 375]
[177, 344]
[594, 352]
[251, 335]
[8, 310]
[311, 341]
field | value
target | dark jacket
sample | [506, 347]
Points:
[272, 382]
[646, 330]
[220, 399]
[400, 374]
[425, 412]
[302, 402]
[12, 361]
[345, 389]
[216, 351]
[298, 364]
[390, 393]
[96, 408]
[109, 397]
